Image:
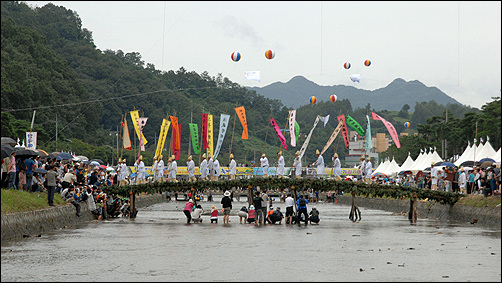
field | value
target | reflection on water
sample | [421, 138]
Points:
[159, 246]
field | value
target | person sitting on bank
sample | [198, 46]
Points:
[314, 215]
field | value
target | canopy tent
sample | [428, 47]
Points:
[418, 160]
[486, 152]
[424, 162]
[435, 157]
[408, 163]
[463, 156]
[381, 168]
[498, 156]
[392, 168]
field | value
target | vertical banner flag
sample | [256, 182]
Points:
[297, 130]
[390, 128]
[333, 137]
[194, 133]
[369, 142]
[307, 140]
[341, 118]
[325, 120]
[203, 122]
[354, 125]
[224, 119]
[241, 112]
[176, 138]
[176, 143]
[210, 135]
[31, 140]
[141, 125]
[134, 118]
[279, 134]
[164, 128]
[126, 140]
[292, 120]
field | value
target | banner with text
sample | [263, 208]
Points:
[307, 140]
[224, 119]
[345, 134]
[203, 122]
[241, 112]
[292, 121]
[164, 128]
[333, 137]
[134, 118]
[194, 133]
[210, 132]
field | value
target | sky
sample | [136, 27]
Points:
[454, 46]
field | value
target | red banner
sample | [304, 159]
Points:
[176, 143]
[345, 134]
[203, 121]
[279, 134]
[390, 128]
[176, 139]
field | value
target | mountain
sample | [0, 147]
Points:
[297, 91]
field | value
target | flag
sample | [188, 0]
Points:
[194, 133]
[176, 139]
[224, 119]
[203, 122]
[369, 142]
[355, 78]
[210, 133]
[126, 140]
[241, 112]
[325, 120]
[134, 118]
[176, 142]
[279, 134]
[345, 135]
[252, 75]
[292, 120]
[354, 125]
[297, 130]
[390, 128]
[307, 140]
[333, 136]
[31, 140]
[141, 125]
[164, 128]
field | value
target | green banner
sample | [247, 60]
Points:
[354, 125]
[297, 131]
[194, 133]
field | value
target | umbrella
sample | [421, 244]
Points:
[102, 167]
[83, 158]
[21, 151]
[94, 163]
[438, 163]
[55, 153]
[405, 172]
[98, 160]
[468, 163]
[467, 168]
[448, 164]
[486, 164]
[134, 175]
[9, 141]
[42, 153]
[65, 155]
[378, 174]
[40, 170]
[487, 159]
[6, 150]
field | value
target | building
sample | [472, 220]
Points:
[357, 149]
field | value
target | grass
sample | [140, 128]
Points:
[480, 201]
[17, 201]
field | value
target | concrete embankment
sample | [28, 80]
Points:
[486, 217]
[15, 225]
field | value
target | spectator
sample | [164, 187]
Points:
[276, 216]
[11, 169]
[257, 202]
[243, 214]
[484, 187]
[30, 166]
[197, 214]
[69, 179]
[251, 214]
[314, 216]
[226, 202]
[214, 214]
[290, 202]
[302, 209]
[188, 210]
[22, 176]
[51, 184]
[72, 197]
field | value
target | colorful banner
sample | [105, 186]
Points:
[31, 140]
[141, 125]
[176, 143]
[241, 112]
[345, 134]
[390, 128]
[194, 133]
[306, 142]
[369, 142]
[210, 133]
[333, 137]
[164, 128]
[279, 134]
[176, 139]
[297, 130]
[224, 119]
[134, 118]
[126, 140]
[203, 122]
[292, 120]
[354, 125]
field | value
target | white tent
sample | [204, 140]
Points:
[392, 168]
[424, 162]
[498, 156]
[407, 164]
[435, 157]
[486, 152]
[464, 155]
[470, 155]
[381, 168]
[417, 162]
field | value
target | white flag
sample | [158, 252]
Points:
[252, 75]
[355, 77]
[292, 118]
[224, 118]
[325, 120]
[306, 142]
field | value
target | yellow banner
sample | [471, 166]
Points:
[134, 118]
[162, 137]
[210, 135]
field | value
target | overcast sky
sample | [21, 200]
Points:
[454, 46]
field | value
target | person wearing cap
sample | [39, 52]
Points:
[232, 167]
[297, 164]
[226, 204]
[264, 165]
[216, 172]
[434, 177]
[462, 181]
[210, 162]
[337, 167]
[368, 170]
[314, 216]
[280, 165]
[203, 168]
[173, 170]
[154, 168]
[140, 170]
[160, 169]
[362, 167]
[188, 210]
[191, 169]
[122, 170]
[320, 164]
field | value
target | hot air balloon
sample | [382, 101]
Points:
[313, 99]
[270, 54]
[333, 98]
[407, 125]
[367, 63]
[346, 65]
[236, 56]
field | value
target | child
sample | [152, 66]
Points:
[197, 214]
[243, 213]
[251, 214]
[214, 214]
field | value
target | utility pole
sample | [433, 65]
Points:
[56, 131]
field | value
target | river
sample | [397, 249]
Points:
[159, 246]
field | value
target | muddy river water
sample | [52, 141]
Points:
[159, 246]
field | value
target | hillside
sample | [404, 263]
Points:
[296, 92]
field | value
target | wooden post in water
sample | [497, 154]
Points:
[132, 198]
[250, 195]
[412, 215]
[355, 213]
